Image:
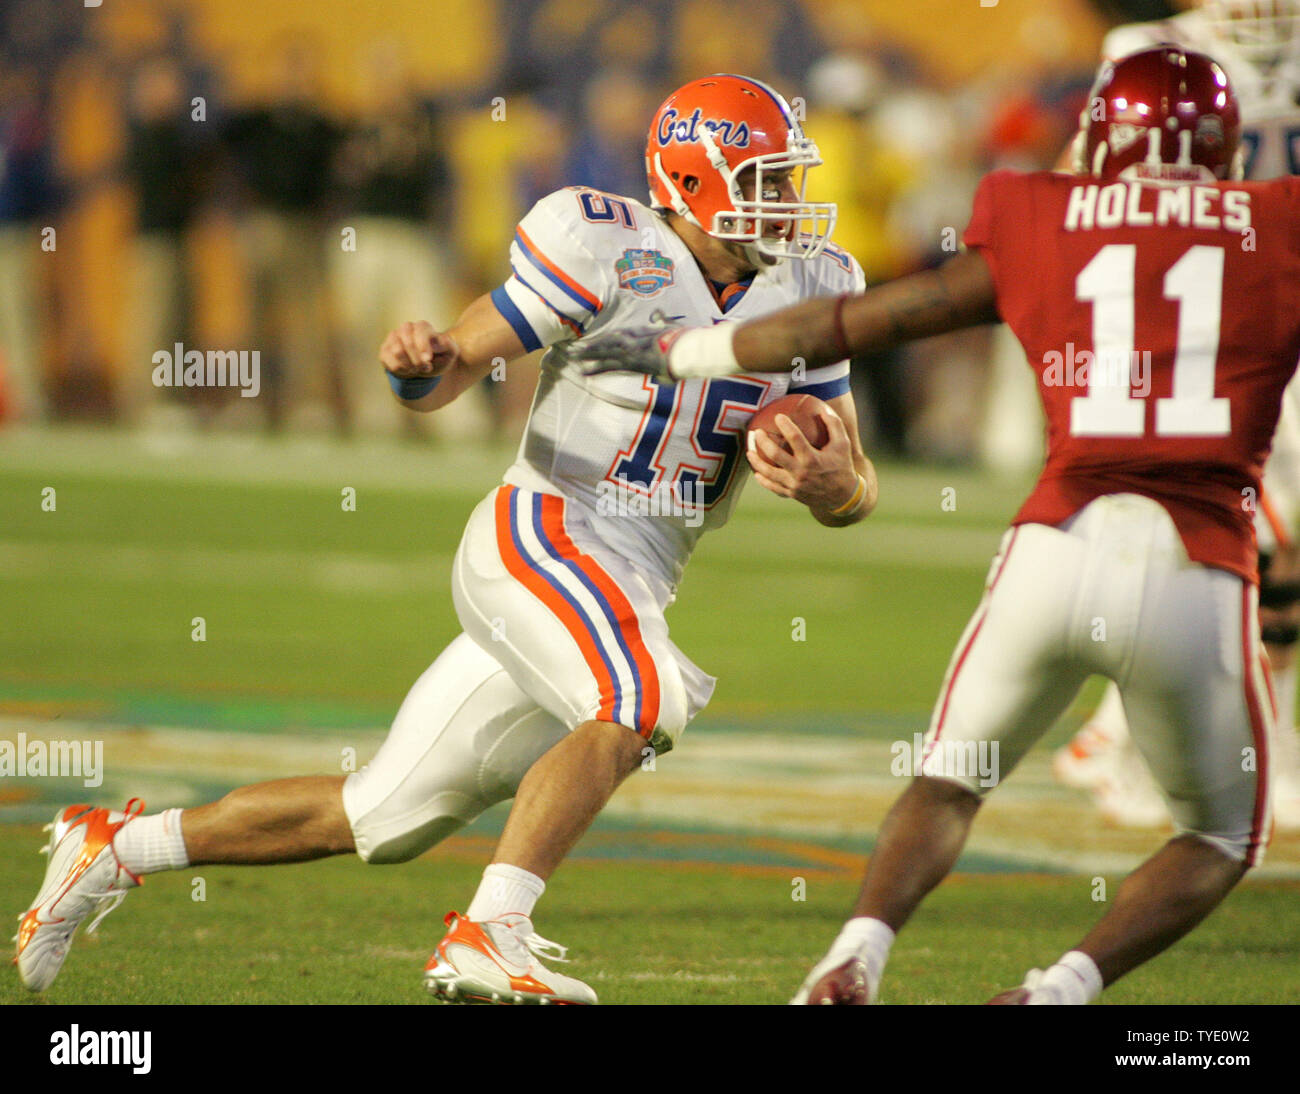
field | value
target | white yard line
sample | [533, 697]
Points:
[803, 788]
[330, 571]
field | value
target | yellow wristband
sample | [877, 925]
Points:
[854, 501]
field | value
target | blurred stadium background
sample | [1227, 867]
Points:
[190, 172]
[199, 161]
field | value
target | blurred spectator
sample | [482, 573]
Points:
[285, 152]
[609, 152]
[27, 194]
[770, 40]
[558, 92]
[38, 33]
[1034, 122]
[397, 197]
[500, 127]
[1134, 11]
[862, 177]
[168, 159]
[537, 170]
[507, 151]
[540, 161]
[1033, 116]
[937, 138]
[553, 45]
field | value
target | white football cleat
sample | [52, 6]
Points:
[496, 962]
[1092, 754]
[1034, 992]
[1021, 996]
[83, 876]
[836, 980]
[1087, 760]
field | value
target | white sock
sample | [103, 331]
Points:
[149, 844]
[503, 890]
[868, 939]
[1073, 980]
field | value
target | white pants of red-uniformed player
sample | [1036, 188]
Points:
[559, 630]
[1112, 592]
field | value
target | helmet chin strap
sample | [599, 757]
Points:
[759, 258]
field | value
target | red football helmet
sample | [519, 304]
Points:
[1164, 113]
[709, 133]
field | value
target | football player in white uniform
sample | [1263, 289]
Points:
[1258, 44]
[565, 677]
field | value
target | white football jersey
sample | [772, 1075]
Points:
[1270, 112]
[653, 463]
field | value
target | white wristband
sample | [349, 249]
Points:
[703, 351]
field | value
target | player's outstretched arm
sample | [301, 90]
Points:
[956, 295]
[959, 294]
[455, 359]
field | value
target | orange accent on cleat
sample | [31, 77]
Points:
[83, 876]
[495, 962]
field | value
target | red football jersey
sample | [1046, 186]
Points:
[1163, 323]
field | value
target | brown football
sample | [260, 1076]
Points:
[802, 410]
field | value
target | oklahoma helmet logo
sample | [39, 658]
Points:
[686, 130]
[1124, 134]
[646, 273]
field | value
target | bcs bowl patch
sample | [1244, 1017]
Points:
[646, 273]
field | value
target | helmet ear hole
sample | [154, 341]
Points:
[691, 184]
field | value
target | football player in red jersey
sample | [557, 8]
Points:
[1257, 42]
[1159, 305]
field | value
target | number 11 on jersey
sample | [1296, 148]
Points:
[1110, 409]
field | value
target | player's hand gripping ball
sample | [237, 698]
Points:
[811, 462]
[800, 409]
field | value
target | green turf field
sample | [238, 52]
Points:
[638, 932]
[828, 644]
